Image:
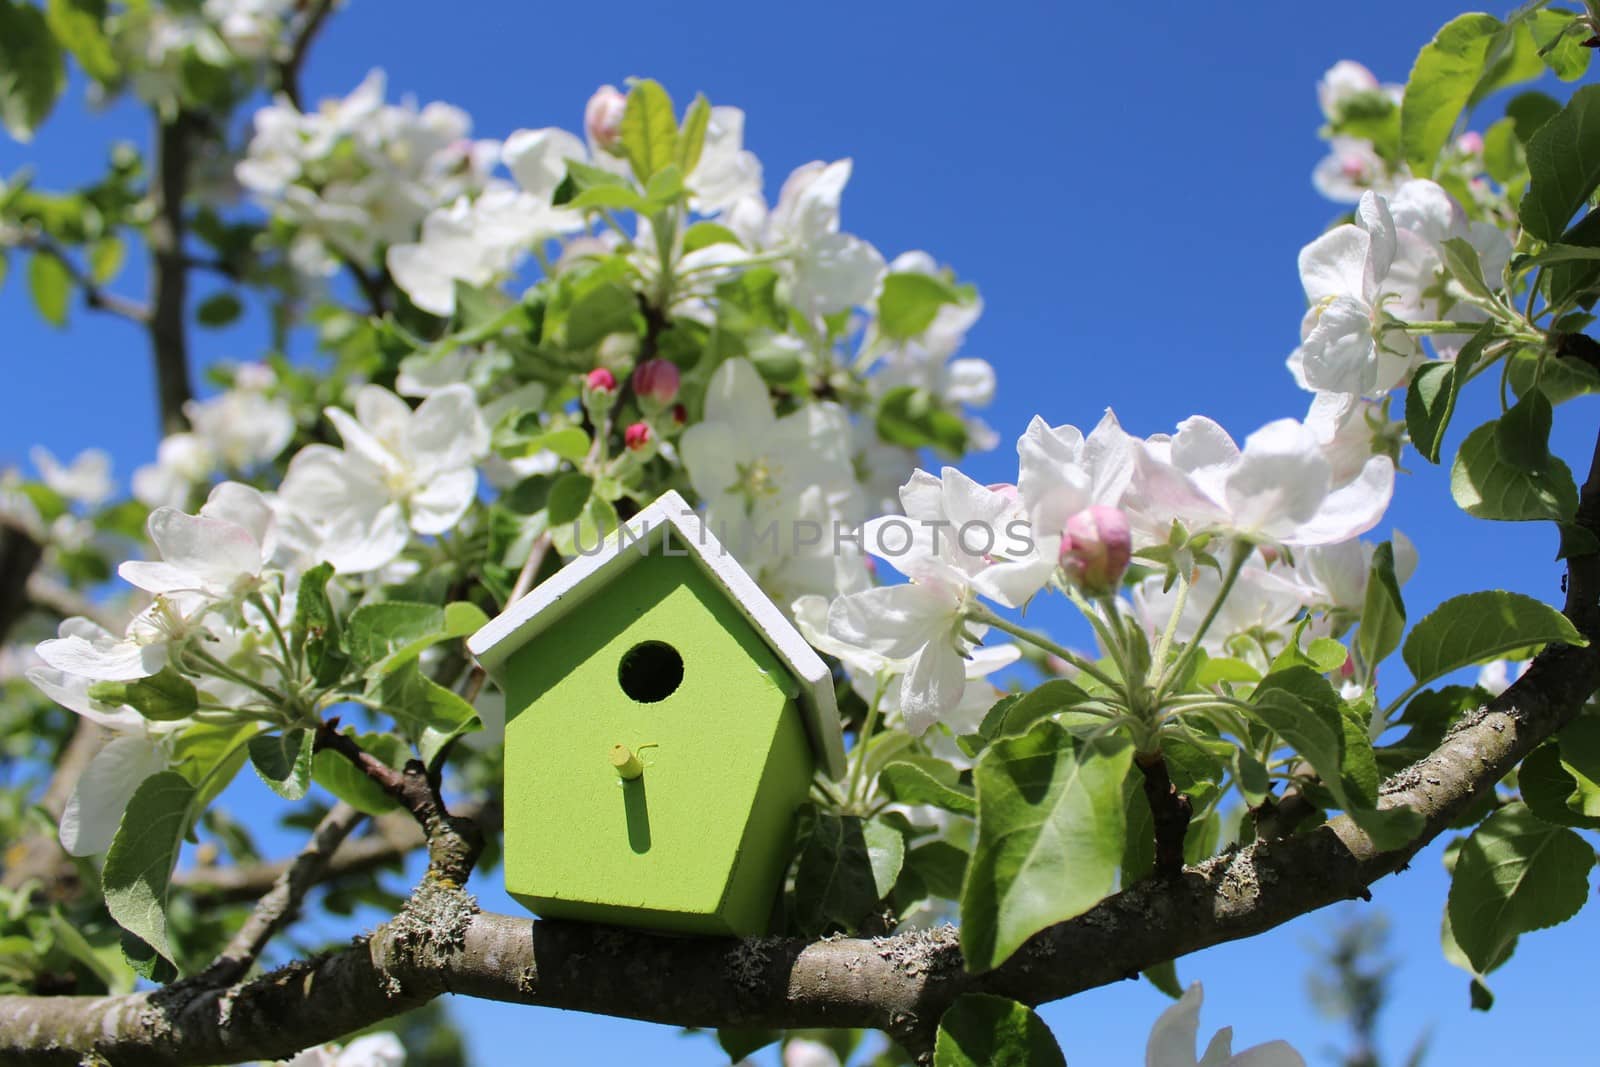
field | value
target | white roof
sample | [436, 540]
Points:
[551, 599]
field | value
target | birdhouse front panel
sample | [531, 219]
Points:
[655, 758]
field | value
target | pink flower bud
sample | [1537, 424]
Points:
[1096, 548]
[602, 116]
[656, 381]
[1348, 669]
[636, 436]
[1470, 143]
[600, 380]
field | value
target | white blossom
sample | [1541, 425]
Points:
[1172, 1041]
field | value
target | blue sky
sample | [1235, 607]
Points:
[1127, 187]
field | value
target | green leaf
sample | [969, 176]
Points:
[1049, 840]
[1555, 792]
[1431, 400]
[1560, 379]
[162, 697]
[388, 628]
[1300, 706]
[316, 628]
[139, 863]
[599, 312]
[209, 755]
[1487, 488]
[913, 418]
[1560, 38]
[283, 761]
[649, 129]
[78, 26]
[1503, 156]
[567, 498]
[607, 197]
[941, 866]
[739, 1043]
[1010, 717]
[1522, 434]
[1563, 166]
[909, 783]
[1442, 80]
[417, 701]
[1515, 874]
[568, 442]
[704, 234]
[1383, 612]
[218, 310]
[50, 283]
[909, 301]
[1164, 976]
[664, 190]
[338, 776]
[846, 866]
[1477, 627]
[692, 138]
[980, 1030]
[32, 71]
[105, 258]
[1529, 111]
[1462, 261]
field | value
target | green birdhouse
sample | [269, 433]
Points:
[663, 722]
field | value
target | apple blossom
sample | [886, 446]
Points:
[1172, 1041]
[1278, 488]
[218, 553]
[1346, 343]
[86, 480]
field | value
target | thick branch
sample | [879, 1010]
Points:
[278, 907]
[1170, 811]
[440, 943]
[169, 274]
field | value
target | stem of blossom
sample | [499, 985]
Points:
[222, 670]
[1158, 662]
[981, 614]
[1241, 552]
[853, 796]
[290, 662]
[1112, 638]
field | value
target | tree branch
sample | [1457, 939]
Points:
[315, 13]
[1170, 811]
[94, 295]
[394, 836]
[441, 943]
[278, 907]
[169, 273]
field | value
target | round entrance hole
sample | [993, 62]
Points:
[650, 671]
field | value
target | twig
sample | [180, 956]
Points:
[453, 842]
[394, 836]
[94, 295]
[277, 908]
[316, 12]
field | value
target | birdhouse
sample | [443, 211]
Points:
[663, 723]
